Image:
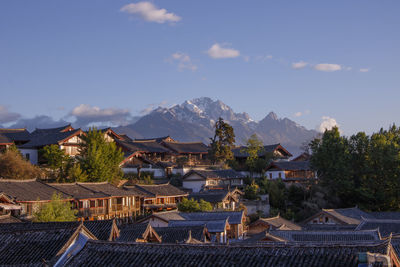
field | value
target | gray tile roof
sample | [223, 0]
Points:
[51, 130]
[28, 190]
[326, 236]
[78, 191]
[109, 189]
[215, 226]
[97, 253]
[182, 148]
[5, 140]
[329, 227]
[131, 232]
[385, 226]
[234, 217]
[221, 174]
[290, 165]
[143, 146]
[161, 190]
[16, 135]
[48, 138]
[387, 215]
[346, 215]
[212, 197]
[277, 222]
[181, 234]
[156, 139]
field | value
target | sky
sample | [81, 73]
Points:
[318, 63]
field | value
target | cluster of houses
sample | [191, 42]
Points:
[332, 237]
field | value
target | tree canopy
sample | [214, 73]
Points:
[14, 166]
[100, 159]
[191, 205]
[56, 210]
[222, 143]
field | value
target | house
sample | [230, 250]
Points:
[159, 197]
[305, 156]
[197, 180]
[267, 224]
[217, 228]
[180, 234]
[5, 142]
[347, 216]
[374, 253]
[143, 233]
[219, 199]
[135, 163]
[23, 197]
[66, 137]
[38, 245]
[161, 219]
[149, 149]
[17, 136]
[291, 171]
[276, 150]
[194, 152]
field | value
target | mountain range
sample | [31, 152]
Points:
[194, 120]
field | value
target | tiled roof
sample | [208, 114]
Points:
[290, 165]
[5, 140]
[240, 152]
[97, 253]
[215, 226]
[143, 146]
[221, 174]
[108, 189]
[31, 247]
[326, 236]
[101, 229]
[209, 196]
[15, 134]
[196, 147]
[8, 219]
[168, 215]
[387, 215]
[385, 226]
[161, 190]
[345, 216]
[329, 227]
[277, 222]
[78, 191]
[52, 130]
[49, 138]
[28, 190]
[131, 232]
[156, 139]
[234, 217]
[180, 234]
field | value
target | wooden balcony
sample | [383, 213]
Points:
[89, 212]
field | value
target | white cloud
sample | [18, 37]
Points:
[364, 70]
[298, 114]
[218, 51]
[86, 114]
[184, 61]
[327, 124]
[150, 107]
[327, 67]
[299, 65]
[7, 116]
[149, 12]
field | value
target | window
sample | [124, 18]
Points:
[326, 219]
[92, 203]
[270, 175]
[100, 203]
[280, 175]
[27, 156]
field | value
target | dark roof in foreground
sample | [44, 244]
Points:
[31, 247]
[16, 134]
[97, 253]
[326, 236]
[234, 217]
[77, 191]
[28, 190]
[215, 226]
[180, 234]
[107, 188]
[5, 140]
[132, 232]
[386, 227]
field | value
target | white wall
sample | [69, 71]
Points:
[33, 154]
[275, 174]
[194, 182]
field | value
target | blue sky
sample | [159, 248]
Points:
[304, 60]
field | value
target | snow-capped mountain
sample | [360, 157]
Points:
[194, 120]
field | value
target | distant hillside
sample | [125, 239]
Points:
[194, 121]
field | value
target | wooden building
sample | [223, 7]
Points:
[291, 171]
[267, 224]
[220, 199]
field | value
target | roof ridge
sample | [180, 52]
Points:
[19, 181]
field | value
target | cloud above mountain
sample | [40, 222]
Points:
[7, 116]
[149, 12]
[40, 121]
[327, 124]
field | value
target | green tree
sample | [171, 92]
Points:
[56, 210]
[100, 159]
[56, 160]
[14, 166]
[251, 191]
[254, 148]
[205, 206]
[76, 174]
[222, 143]
[188, 205]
